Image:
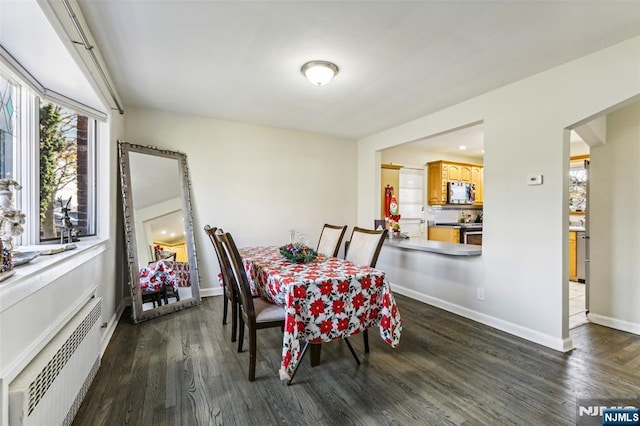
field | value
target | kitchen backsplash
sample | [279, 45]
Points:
[440, 214]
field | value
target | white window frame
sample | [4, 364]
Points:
[26, 164]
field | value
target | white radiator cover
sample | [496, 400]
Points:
[50, 389]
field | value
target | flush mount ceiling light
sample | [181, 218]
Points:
[319, 72]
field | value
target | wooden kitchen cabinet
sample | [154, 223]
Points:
[441, 172]
[573, 258]
[389, 175]
[437, 177]
[448, 235]
[179, 248]
[458, 172]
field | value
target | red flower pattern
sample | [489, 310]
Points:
[326, 327]
[317, 307]
[300, 292]
[326, 288]
[358, 300]
[289, 323]
[343, 324]
[338, 306]
[365, 283]
[327, 299]
[164, 272]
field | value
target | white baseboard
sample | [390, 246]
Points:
[562, 345]
[113, 323]
[211, 291]
[618, 324]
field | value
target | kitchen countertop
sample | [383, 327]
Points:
[577, 228]
[451, 249]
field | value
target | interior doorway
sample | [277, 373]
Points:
[578, 231]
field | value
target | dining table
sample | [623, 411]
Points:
[326, 299]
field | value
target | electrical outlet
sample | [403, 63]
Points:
[481, 293]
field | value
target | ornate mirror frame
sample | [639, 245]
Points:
[138, 313]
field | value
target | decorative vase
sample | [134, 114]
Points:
[6, 198]
[6, 261]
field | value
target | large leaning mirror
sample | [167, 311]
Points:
[161, 253]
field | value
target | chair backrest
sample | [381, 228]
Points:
[240, 276]
[330, 239]
[365, 245]
[228, 282]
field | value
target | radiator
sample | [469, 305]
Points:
[50, 389]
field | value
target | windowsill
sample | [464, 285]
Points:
[45, 269]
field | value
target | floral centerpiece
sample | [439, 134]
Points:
[11, 221]
[298, 252]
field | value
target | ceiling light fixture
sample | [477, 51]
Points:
[463, 147]
[319, 72]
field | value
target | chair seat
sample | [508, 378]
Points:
[267, 311]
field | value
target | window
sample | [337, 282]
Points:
[50, 150]
[411, 194]
[7, 127]
[578, 187]
[66, 184]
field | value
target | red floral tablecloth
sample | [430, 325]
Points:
[324, 300]
[164, 272]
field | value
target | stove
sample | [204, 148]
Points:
[470, 233]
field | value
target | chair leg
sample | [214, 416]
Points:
[234, 320]
[252, 354]
[240, 333]
[304, 350]
[365, 337]
[224, 309]
[352, 351]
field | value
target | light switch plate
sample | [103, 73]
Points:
[534, 180]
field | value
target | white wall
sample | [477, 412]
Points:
[524, 260]
[144, 239]
[253, 181]
[28, 324]
[614, 203]
[416, 156]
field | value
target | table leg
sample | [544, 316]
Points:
[315, 354]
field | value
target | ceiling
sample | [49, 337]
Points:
[472, 139]
[398, 60]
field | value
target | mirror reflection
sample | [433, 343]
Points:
[159, 232]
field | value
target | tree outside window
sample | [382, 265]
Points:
[577, 188]
[64, 185]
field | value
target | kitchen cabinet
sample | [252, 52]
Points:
[448, 235]
[179, 248]
[441, 172]
[459, 172]
[573, 258]
[389, 175]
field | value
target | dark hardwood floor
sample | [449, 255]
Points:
[182, 369]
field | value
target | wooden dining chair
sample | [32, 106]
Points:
[256, 313]
[363, 249]
[330, 239]
[228, 281]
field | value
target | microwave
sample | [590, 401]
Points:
[461, 193]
